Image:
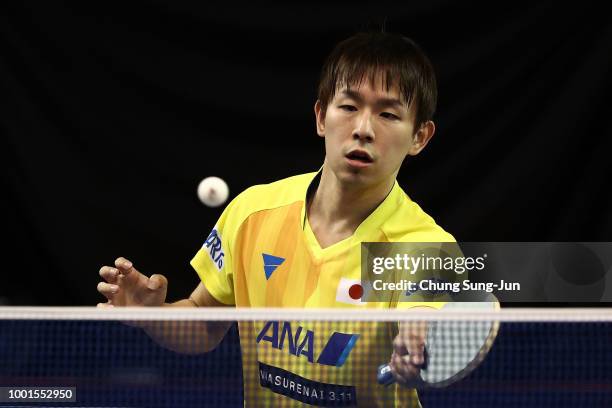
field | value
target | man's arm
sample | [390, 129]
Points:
[125, 286]
[190, 337]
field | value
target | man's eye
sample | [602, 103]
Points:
[348, 108]
[389, 115]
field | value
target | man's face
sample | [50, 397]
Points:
[368, 132]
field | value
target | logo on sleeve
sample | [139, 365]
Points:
[215, 249]
[271, 262]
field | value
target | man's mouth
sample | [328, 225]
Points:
[360, 155]
[359, 158]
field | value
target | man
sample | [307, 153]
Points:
[296, 242]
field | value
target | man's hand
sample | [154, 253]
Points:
[409, 353]
[125, 286]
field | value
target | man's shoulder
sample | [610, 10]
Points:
[272, 195]
[410, 223]
[290, 186]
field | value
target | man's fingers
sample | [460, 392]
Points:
[408, 355]
[411, 342]
[108, 289]
[403, 371]
[124, 266]
[109, 274]
[399, 346]
[127, 273]
[394, 370]
[157, 281]
[416, 354]
[104, 305]
[412, 348]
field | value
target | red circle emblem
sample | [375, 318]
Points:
[356, 291]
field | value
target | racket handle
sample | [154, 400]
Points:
[384, 375]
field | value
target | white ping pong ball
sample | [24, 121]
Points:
[213, 191]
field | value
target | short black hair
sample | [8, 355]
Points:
[398, 59]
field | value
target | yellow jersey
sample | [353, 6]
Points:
[263, 253]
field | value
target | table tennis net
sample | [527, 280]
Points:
[285, 357]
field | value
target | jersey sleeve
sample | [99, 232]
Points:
[213, 262]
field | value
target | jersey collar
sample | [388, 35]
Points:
[384, 210]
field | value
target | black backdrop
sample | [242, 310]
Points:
[111, 114]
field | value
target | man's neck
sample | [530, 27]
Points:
[336, 209]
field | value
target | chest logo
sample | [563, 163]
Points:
[301, 342]
[270, 263]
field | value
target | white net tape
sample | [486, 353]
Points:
[246, 314]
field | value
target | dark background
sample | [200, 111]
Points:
[112, 114]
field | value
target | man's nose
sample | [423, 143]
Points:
[363, 130]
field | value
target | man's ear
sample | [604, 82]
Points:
[320, 118]
[422, 137]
